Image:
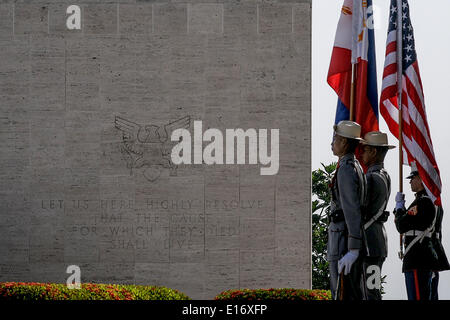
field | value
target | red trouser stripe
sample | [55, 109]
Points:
[416, 283]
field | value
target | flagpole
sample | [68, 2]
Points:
[352, 93]
[356, 14]
[400, 89]
[399, 101]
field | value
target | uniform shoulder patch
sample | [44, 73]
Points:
[412, 211]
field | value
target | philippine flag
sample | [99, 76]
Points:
[355, 43]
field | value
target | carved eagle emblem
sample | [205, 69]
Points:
[149, 146]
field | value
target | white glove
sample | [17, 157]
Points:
[346, 262]
[400, 200]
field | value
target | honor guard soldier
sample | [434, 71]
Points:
[442, 261]
[416, 225]
[374, 215]
[345, 241]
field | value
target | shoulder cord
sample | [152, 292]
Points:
[363, 196]
[363, 182]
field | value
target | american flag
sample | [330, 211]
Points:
[417, 145]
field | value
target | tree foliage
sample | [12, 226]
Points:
[321, 197]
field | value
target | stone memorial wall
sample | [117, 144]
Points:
[90, 96]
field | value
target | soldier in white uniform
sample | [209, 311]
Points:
[374, 215]
[345, 240]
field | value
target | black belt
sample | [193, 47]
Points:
[338, 216]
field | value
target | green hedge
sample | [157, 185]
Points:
[88, 291]
[274, 294]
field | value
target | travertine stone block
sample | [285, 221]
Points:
[205, 18]
[240, 18]
[15, 72]
[170, 18]
[6, 20]
[30, 18]
[100, 18]
[135, 19]
[301, 18]
[275, 18]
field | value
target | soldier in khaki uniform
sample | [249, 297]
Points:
[345, 242]
[374, 215]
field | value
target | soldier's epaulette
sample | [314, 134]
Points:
[350, 162]
[425, 196]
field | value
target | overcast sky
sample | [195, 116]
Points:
[429, 20]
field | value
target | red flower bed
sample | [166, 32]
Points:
[274, 294]
[88, 291]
